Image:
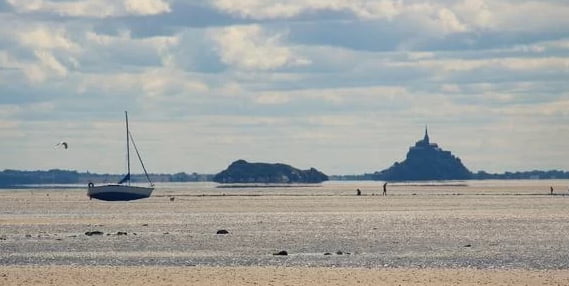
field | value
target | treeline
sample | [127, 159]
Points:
[534, 175]
[480, 175]
[10, 178]
[16, 178]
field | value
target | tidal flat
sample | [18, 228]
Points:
[446, 226]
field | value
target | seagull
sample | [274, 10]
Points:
[62, 143]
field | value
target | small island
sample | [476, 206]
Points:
[242, 171]
[426, 161]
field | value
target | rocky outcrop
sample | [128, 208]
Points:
[242, 171]
[426, 161]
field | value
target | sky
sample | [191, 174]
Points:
[342, 86]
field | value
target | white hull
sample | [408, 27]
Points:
[118, 192]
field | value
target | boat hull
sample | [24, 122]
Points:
[118, 192]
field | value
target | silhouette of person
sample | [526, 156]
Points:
[358, 192]
[551, 190]
[385, 189]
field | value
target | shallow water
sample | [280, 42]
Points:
[482, 224]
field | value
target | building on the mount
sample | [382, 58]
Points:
[426, 161]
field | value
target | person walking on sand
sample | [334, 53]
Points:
[358, 192]
[385, 189]
[551, 190]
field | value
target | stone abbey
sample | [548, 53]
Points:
[426, 161]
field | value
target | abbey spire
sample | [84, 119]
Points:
[426, 138]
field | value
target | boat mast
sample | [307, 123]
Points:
[127, 148]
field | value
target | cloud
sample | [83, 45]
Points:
[258, 9]
[48, 66]
[92, 8]
[450, 22]
[123, 48]
[292, 81]
[452, 16]
[146, 7]
[43, 37]
[250, 47]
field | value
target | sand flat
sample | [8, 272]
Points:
[275, 276]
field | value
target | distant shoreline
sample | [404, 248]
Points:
[16, 178]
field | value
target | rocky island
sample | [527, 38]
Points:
[426, 161]
[242, 171]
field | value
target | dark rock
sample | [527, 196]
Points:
[144, 224]
[242, 171]
[468, 245]
[222, 231]
[426, 161]
[327, 253]
[339, 252]
[281, 253]
[28, 235]
[95, 232]
[121, 233]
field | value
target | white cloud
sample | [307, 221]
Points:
[272, 98]
[476, 12]
[165, 83]
[449, 22]
[159, 46]
[39, 51]
[7, 61]
[147, 7]
[47, 65]
[450, 88]
[45, 37]
[157, 84]
[529, 15]
[250, 47]
[420, 55]
[453, 17]
[92, 8]
[558, 108]
[514, 63]
[262, 9]
[337, 96]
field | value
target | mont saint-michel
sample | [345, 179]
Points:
[426, 161]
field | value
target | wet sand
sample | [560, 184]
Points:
[487, 232]
[276, 276]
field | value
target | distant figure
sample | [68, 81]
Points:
[551, 190]
[62, 143]
[172, 199]
[385, 189]
[358, 192]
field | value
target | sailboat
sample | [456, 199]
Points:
[123, 191]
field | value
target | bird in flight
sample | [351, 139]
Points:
[62, 143]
